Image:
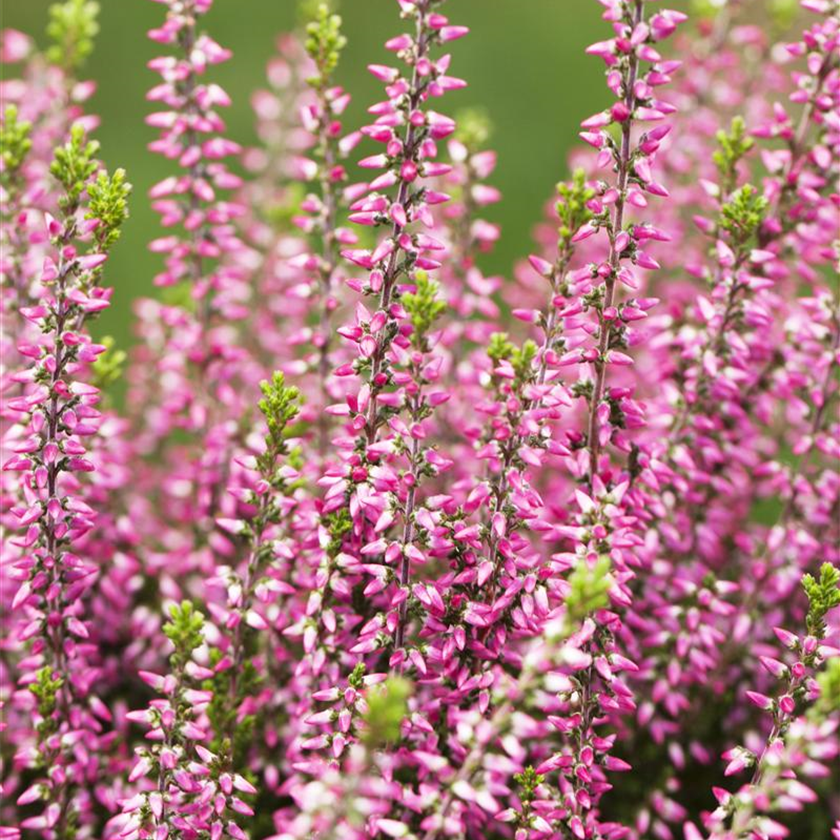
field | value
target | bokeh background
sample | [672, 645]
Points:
[524, 61]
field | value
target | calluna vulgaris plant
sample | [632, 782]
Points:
[380, 546]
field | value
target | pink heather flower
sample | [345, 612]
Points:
[51, 557]
[382, 545]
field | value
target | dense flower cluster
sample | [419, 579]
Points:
[380, 546]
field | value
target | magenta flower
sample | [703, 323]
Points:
[382, 545]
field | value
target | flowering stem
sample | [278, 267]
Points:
[253, 570]
[829, 379]
[500, 719]
[408, 527]
[186, 40]
[798, 147]
[390, 274]
[499, 484]
[615, 228]
[329, 257]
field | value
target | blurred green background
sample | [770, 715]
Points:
[524, 62]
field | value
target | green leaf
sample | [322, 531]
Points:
[72, 28]
[571, 206]
[185, 630]
[280, 405]
[529, 780]
[500, 348]
[734, 145]
[423, 306]
[829, 683]
[73, 165]
[474, 128]
[522, 360]
[743, 213]
[589, 592]
[108, 202]
[823, 596]
[46, 689]
[324, 43]
[338, 524]
[387, 707]
[108, 367]
[15, 144]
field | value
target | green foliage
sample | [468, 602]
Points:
[280, 215]
[15, 144]
[783, 13]
[823, 595]
[743, 213]
[338, 524]
[829, 683]
[589, 592]
[73, 165]
[307, 10]
[181, 295]
[522, 360]
[357, 675]
[46, 689]
[185, 630]
[424, 307]
[72, 28]
[387, 707]
[707, 8]
[528, 780]
[280, 405]
[108, 202]
[324, 43]
[474, 128]
[233, 734]
[500, 348]
[734, 145]
[108, 366]
[571, 206]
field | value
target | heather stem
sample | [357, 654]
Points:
[819, 416]
[408, 527]
[186, 39]
[391, 272]
[251, 576]
[329, 262]
[617, 223]
[500, 486]
[56, 603]
[501, 717]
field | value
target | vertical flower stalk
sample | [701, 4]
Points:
[191, 134]
[250, 594]
[635, 90]
[196, 373]
[611, 513]
[389, 373]
[527, 382]
[739, 814]
[15, 145]
[467, 291]
[324, 166]
[406, 159]
[424, 308]
[188, 790]
[39, 108]
[272, 198]
[59, 414]
[187, 130]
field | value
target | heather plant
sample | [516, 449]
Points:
[377, 545]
